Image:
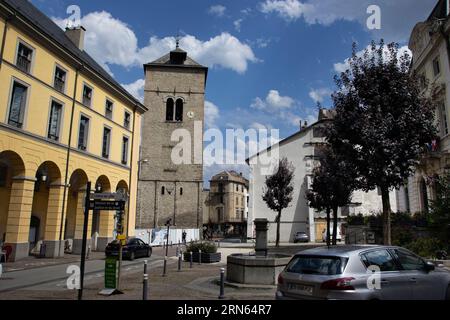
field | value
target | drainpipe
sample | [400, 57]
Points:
[2, 49]
[66, 178]
[131, 170]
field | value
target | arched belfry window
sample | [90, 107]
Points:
[179, 110]
[169, 109]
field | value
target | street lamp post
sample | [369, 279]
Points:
[167, 247]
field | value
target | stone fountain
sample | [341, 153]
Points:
[260, 268]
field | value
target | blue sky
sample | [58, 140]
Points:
[270, 61]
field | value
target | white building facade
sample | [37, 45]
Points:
[430, 46]
[303, 151]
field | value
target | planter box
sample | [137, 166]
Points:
[206, 257]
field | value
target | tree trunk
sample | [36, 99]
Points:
[386, 216]
[278, 229]
[335, 225]
[328, 227]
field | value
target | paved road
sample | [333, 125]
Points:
[53, 277]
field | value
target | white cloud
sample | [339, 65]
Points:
[211, 114]
[260, 126]
[217, 10]
[287, 9]
[318, 95]
[345, 65]
[112, 42]
[237, 24]
[136, 89]
[326, 12]
[273, 102]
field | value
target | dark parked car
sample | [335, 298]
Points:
[134, 248]
[301, 237]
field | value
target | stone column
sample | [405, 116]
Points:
[54, 246]
[106, 229]
[79, 221]
[19, 216]
[261, 226]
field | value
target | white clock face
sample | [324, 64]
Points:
[191, 114]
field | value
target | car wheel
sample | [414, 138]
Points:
[149, 252]
[131, 256]
[447, 296]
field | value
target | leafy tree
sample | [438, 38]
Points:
[439, 216]
[382, 121]
[278, 190]
[332, 187]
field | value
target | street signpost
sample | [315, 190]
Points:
[110, 273]
[105, 202]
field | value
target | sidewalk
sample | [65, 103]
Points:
[32, 262]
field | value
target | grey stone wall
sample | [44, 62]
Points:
[155, 208]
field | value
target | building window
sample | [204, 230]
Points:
[169, 109]
[408, 205]
[83, 133]
[127, 120]
[106, 142]
[163, 190]
[24, 57]
[18, 103]
[54, 123]
[221, 199]
[436, 66]
[179, 111]
[238, 214]
[424, 191]
[60, 80]
[109, 109]
[125, 150]
[87, 96]
[237, 188]
[444, 120]
[422, 82]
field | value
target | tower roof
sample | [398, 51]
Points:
[177, 58]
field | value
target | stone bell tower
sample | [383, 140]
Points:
[175, 96]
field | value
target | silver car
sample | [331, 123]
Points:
[362, 273]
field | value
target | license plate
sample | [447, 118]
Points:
[302, 289]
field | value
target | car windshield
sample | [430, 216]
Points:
[317, 265]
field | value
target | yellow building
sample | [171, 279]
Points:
[64, 121]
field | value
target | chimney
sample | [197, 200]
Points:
[301, 126]
[305, 125]
[76, 35]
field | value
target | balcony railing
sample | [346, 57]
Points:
[59, 84]
[23, 63]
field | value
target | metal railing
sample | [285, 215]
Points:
[23, 63]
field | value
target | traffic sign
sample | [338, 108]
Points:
[106, 205]
[119, 196]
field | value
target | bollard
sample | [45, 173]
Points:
[179, 261]
[145, 283]
[191, 259]
[222, 284]
[165, 266]
[199, 257]
[178, 250]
